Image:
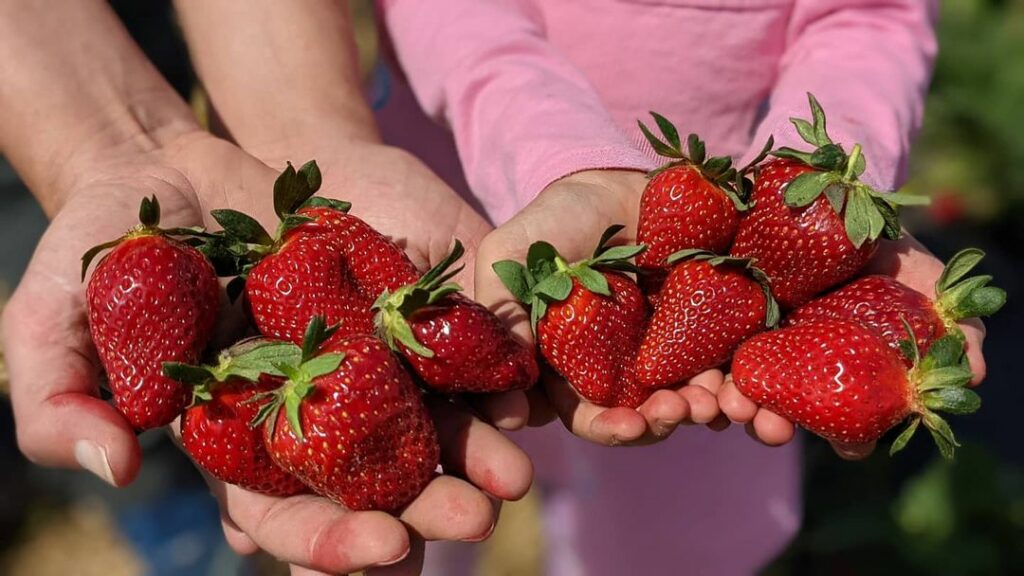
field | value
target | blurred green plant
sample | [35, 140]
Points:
[971, 151]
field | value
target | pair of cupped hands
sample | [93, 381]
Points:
[54, 371]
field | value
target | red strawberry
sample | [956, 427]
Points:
[354, 427]
[884, 304]
[708, 306]
[152, 299]
[453, 343]
[813, 225]
[588, 317]
[324, 262]
[840, 380]
[217, 430]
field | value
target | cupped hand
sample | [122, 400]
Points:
[912, 264]
[54, 372]
[571, 214]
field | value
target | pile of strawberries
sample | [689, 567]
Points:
[329, 395]
[722, 254]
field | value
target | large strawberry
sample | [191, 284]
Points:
[322, 261]
[884, 304]
[588, 316]
[217, 429]
[840, 380]
[692, 202]
[813, 224]
[152, 299]
[453, 343]
[708, 306]
[353, 426]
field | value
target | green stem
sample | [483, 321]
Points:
[851, 162]
[561, 264]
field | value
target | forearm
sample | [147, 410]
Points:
[77, 89]
[869, 67]
[282, 75]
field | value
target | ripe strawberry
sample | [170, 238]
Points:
[813, 225]
[841, 381]
[323, 262]
[217, 429]
[354, 427]
[883, 304]
[692, 202]
[453, 343]
[589, 317]
[708, 306]
[152, 299]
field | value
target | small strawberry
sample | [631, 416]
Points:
[841, 381]
[883, 303]
[152, 299]
[322, 261]
[353, 427]
[453, 343]
[217, 429]
[813, 224]
[708, 306]
[693, 202]
[589, 317]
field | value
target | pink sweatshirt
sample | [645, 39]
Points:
[533, 90]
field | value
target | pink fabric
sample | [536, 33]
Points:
[533, 90]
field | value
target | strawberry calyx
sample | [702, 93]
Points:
[547, 277]
[958, 296]
[395, 308]
[717, 170]
[939, 384]
[867, 213]
[772, 314]
[248, 360]
[300, 374]
[149, 225]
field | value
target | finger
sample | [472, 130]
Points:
[772, 429]
[412, 565]
[450, 509]
[664, 410]
[54, 388]
[703, 404]
[238, 540]
[737, 407]
[509, 242]
[608, 426]
[974, 336]
[476, 451]
[506, 410]
[315, 533]
[853, 451]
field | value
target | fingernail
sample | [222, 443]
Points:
[94, 459]
[485, 536]
[395, 560]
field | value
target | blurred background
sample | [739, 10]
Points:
[910, 515]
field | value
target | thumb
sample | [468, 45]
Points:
[60, 419]
[504, 243]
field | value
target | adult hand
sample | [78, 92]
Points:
[571, 214]
[62, 421]
[912, 264]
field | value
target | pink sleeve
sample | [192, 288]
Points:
[869, 64]
[522, 115]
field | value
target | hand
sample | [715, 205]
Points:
[62, 422]
[910, 263]
[571, 214]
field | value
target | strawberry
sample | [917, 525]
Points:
[692, 202]
[453, 343]
[841, 381]
[323, 261]
[354, 427]
[588, 317]
[882, 303]
[708, 306]
[152, 299]
[217, 429]
[813, 224]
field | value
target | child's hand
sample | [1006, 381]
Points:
[571, 214]
[910, 263]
